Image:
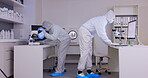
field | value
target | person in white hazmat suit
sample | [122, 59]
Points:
[59, 34]
[86, 32]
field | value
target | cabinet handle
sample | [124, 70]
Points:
[11, 58]
[10, 51]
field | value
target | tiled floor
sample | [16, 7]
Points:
[72, 70]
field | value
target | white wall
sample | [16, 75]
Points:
[32, 15]
[38, 12]
[73, 13]
[22, 31]
[143, 22]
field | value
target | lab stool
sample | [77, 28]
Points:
[99, 64]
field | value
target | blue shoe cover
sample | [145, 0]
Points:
[55, 71]
[92, 75]
[78, 76]
[57, 74]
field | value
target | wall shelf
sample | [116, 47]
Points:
[12, 3]
[9, 20]
[126, 9]
[124, 15]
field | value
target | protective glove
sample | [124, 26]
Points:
[44, 31]
[109, 43]
[113, 44]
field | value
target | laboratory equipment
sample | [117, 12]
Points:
[132, 34]
[36, 34]
[118, 34]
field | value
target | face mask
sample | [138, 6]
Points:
[110, 21]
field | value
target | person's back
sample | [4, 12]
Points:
[95, 22]
[59, 32]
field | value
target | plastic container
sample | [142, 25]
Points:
[12, 34]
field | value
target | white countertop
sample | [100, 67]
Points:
[41, 46]
[129, 46]
[11, 40]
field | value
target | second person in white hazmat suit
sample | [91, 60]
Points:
[59, 34]
[86, 32]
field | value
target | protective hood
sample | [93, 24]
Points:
[47, 24]
[110, 15]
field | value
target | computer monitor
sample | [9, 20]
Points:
[131, 34]
[35, 32]
[35, 27]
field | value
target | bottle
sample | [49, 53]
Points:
[10, 12]
[5, 11]
[129, 42]
[8, 33]
[3, 34]
[11, 34]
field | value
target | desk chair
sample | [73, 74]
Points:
[98, 62]
[99, 57]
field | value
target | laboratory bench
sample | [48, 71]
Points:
[28, 60]
[129, 61]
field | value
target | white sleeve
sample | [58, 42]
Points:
[53, 36]
[105, 39]
[101, 31]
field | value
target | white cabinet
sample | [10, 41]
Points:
[129, 61]
[28, 60]
[124, 15]
[6, 57]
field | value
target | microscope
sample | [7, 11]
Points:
[36, 36]
[118, 35]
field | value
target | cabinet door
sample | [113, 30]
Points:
[6, 59]
[73, 50]
[8, 54]
[1, 75]
[8, 67]
[1, 64]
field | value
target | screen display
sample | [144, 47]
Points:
[35, 27]
[131, 30]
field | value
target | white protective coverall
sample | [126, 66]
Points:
[86, 32]
[60, 35]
